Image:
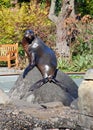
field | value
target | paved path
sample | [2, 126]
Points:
[7, 71]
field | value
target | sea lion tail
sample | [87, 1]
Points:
[55, 81]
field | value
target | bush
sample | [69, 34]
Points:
[80, 63]
[84, 42]
[84, 7]
[5, 3]
[81, 49]
[14, 21]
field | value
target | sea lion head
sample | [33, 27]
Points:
[29, 35]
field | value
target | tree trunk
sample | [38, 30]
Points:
[72, 3]
[61, 29]
[61, 44]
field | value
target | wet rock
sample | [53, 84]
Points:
[49, 92]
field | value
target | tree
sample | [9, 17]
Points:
[67, 10]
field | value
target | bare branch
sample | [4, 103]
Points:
[52, 15]
[66, 9]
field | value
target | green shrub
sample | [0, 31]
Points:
[65, 65]
[80, 63]
[5, 3]
[84, 40]
[84, 7]
[83, 62]
[14, 21]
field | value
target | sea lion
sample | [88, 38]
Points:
[41, 56]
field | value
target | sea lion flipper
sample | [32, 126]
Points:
[38, 84]
[27, 69]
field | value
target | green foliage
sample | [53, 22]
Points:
[81, 50]
[21, 51]
[80, 63]
[83, 62]
[84, 42]
[14, 21]
[64, 65]
[90, 7]
[58, 6]
[84, 7]
[5, 3]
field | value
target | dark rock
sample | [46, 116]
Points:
[49, 92]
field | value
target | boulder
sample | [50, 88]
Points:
[49, 92]
[54, 116]
[85, 100]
